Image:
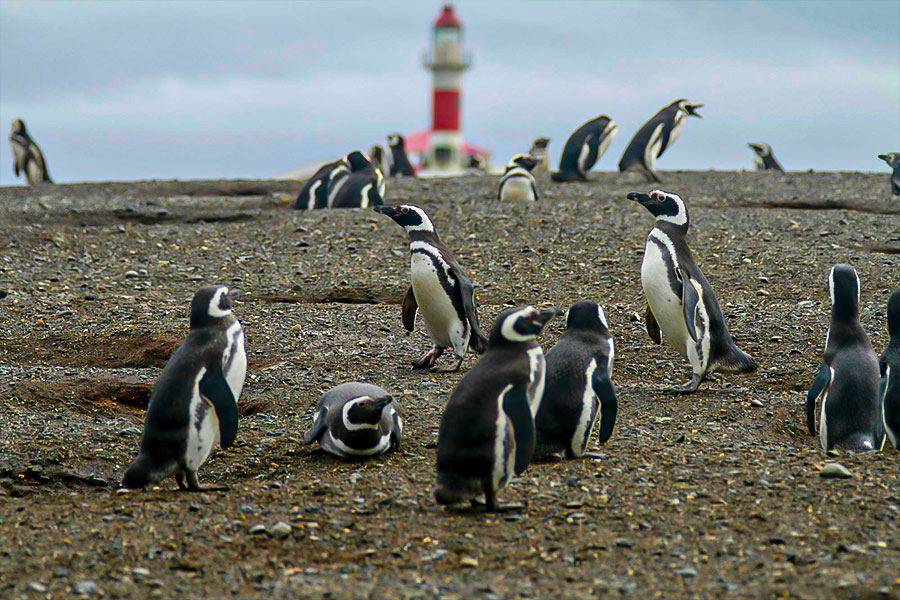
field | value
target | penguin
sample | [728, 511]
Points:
[518, 182]
[193, 405]
[314, 193]
[889, 365]
[579, 387]
[486, 433]
[476, 165]
[893, 161]
[364, 186]
[656, 136]
[439, 287]
[767, 160]
[541, 154]
[356, 420]
[848, 379]
[400, 165]
[681, 302]
[379, 159]
[584, 148]
[27, 155]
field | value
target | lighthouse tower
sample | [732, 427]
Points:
[446, 62]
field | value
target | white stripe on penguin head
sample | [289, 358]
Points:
[426, 224]
[345, 414]
[507, 328]
[214, 310]
[602, 316]
[678, 219]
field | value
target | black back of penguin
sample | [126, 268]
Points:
[889, 366]
[583, 149]
[314, 192]
[363, 188]
[579, 387]
[848, 380]
[371, 425]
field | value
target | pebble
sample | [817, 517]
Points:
[140, 572]
[623, 542]
[37, 586]
[257, 529]
[86, 587]
[281, 530]
[757, 403]
[130, 431]
[468, 562]
[835, 470]
[131, 274]
[687, 572]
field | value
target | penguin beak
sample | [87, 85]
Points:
[639, 197]
[386, 210]
[692, 110]
[755, 147]
[235, 294]
[545, 315]
[883, 156]
[380, 403]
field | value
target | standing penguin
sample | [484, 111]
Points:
[379, 159]
[356, 420]
[893, 161]
[584, 148]
[400, 165]
[27, 155]
[681, 302]
[518, 182]
[579, 386]
[364, 186]
[656, 136]
[439, 287]
[890, 376]
[487, 429]
[847, 383]
[541, 154]
[193, 405]
[315, 191]
[767, 161]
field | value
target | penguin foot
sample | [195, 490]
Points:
[448, 369]
[427, 360]
[193, 485]
[689, 388]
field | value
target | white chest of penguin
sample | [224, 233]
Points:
[666, 306]
[437, 310]
[517, 188]
[234, 360]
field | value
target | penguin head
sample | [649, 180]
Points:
[18, 126]
[665, 206]
[519, 325]
[409, 216]
[843, 285]
[893, 317]
[526, 161]
[762, 150]
[689, 108]
[212, 303]
[364, 411]
[892, 158]
[395, 140]
[540, 143]
[357, 161]
[376, 153]
[587, 315]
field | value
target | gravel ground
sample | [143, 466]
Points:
[712, 495]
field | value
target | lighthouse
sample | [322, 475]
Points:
[446, 61]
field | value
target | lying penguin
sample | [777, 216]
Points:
[193, 405]
[356, 420]
[518, 182]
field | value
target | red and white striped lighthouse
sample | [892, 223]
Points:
[446, 62]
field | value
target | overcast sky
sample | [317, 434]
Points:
[140, 90]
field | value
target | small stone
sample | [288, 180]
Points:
[623, 542]
[37, 586]
[130, 431]
[756, 403]
[468, 562]
[131, 273]
[687, 572]
[140, 572]
[763, 279]
[281, 530]
[258, 529]
[835, 470]
[86, 588]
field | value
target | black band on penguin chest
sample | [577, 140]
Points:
[450, 288]
[674, 284]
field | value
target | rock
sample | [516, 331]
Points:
[687, 572]
[468, 562]
[258, 529]
[280, 530]
[835, 470]
[130, 431]
[140, 572]
[37, 586]
[624, 542]
[86, 587]
[129, 274]
[755, 402]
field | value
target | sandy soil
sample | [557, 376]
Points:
[714, 495]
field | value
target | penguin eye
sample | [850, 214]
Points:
[404, 210]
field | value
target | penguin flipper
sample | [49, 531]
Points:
[214, 387]
[477, 340]
[515, 405]
[408, 310]
[534, 190]
[652, 326]
[396, 430]
[318, 428]
[609, 404]
[819, 385]
[690, 300]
